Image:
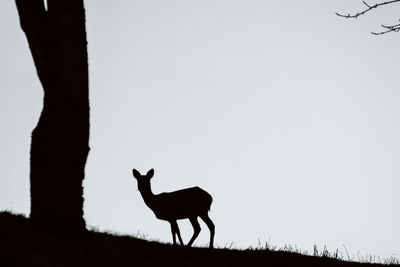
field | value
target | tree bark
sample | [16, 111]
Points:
[59, 147]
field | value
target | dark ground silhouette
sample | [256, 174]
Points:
[21, 244]
[188, 203]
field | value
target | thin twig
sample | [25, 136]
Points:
[388, 28]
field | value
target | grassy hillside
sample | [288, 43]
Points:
[24, 245]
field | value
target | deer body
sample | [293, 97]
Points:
[167, 206]
[188, 203]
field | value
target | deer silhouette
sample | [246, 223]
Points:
[188, 203]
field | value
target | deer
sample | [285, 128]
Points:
[189, 203]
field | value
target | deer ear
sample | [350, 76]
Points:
[136, 174]
[150, 173]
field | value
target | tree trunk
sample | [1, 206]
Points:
[59, 148]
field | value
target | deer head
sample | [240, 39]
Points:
[143, 180]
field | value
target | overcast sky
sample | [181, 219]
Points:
[286, 114]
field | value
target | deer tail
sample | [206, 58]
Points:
[210, 200]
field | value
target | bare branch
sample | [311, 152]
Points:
[369, 8]
[387, 28]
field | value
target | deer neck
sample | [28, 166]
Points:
[148, 196]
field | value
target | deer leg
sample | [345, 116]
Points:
[175, 230]
[196, 228]
[179, 234]
[210, 226]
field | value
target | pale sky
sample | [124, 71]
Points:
[286, 114]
